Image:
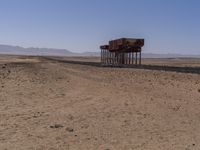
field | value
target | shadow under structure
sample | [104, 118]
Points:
[122, 52]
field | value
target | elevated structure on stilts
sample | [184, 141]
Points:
[122, 52]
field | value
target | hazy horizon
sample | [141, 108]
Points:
[81, 26]
[47, 51]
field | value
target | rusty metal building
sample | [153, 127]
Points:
[120, 52]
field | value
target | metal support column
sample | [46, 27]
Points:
[136, 58]
[132, 57]
[101, 56]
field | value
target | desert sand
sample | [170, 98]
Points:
[48, 104]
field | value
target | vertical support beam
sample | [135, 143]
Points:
[113, 58]
[110, 58]
[140, 58]
[106, 57]
[136, 58]
[126, 55]
[101, 56]
[110, 55]
[132, 53]
[122, 58]
[125, 58]
[117, 58]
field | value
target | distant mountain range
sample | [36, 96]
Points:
[17, 50]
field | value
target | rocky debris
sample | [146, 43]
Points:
[38, 114]
[176, 108]
[69, 129]
[4, 72]
[4, 66]
[70, 117]
[56, 126]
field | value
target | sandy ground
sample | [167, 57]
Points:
[53, 105]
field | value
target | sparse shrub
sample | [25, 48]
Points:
[199, 90]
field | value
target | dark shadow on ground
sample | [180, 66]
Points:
[195, 70]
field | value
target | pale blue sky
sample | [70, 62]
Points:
[168, 26]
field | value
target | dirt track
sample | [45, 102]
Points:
[47, 104]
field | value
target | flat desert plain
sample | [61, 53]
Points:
[47, 103]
